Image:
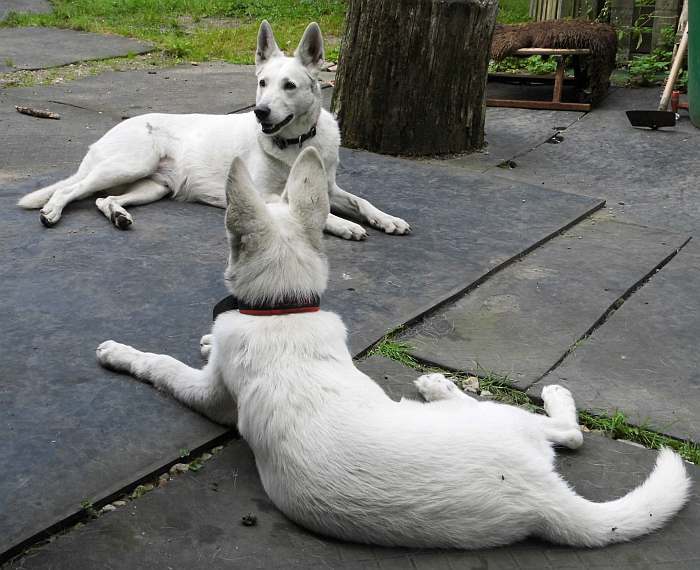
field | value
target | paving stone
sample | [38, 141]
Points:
[29, 145]
[41, 48]
[216, 88]
[522, 320]
[195, 521]
[23, 6]
[646, 176]
[510, 133]
[64, 290]
[644, 360]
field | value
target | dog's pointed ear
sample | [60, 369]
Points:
[246, 212]
[267, 46]
[310, 49]
[307, 191]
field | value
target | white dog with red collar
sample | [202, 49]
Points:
[335, 453]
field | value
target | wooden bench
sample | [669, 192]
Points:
[559, 77]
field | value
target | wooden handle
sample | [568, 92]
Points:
[675, 69]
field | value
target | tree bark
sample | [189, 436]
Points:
[412, 75]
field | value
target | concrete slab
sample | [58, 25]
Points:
[195, 521]
[216, 88]
[644, 360]
[30, 146]
[41, 48]
[22, 6]
[645, 175]
[524, 319]
[64, 290]
[510, 133]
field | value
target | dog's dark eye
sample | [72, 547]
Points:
[261, 83]
[289, 85]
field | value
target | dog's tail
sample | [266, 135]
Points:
[37, 198]
[576, 521]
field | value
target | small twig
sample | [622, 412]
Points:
[41, 113]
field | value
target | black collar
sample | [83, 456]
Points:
[284, 307]
[284, 143]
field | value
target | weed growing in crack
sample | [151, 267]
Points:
[615, 426]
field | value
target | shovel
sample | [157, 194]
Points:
[661, 117]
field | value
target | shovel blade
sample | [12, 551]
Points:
[652, 119]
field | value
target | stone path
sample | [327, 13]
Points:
[195, 521]
[41, 48]
[523, 320]
[85, 263]
[80, 433]
[23, 6]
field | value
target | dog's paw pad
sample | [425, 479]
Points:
[355, 232]
[435, 387]
[114, 355]
[391, 225]
[49, 216]
[205, 345]
[556, 392]
[122, 220]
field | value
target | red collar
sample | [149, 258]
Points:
[288, 311]
[283, 307]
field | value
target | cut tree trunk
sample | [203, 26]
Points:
[412, 75]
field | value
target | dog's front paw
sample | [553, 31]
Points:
[345, 228]
[390, 224]
[116, 356]
[205, 345]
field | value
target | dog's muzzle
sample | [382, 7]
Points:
[271, 128]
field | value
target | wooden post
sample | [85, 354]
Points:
[622, 17]
[412, 75]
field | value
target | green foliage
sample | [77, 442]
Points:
[192, 29]
[534, 65]
[649, 69]
[513, 11]
[394, 350]
[616, 426]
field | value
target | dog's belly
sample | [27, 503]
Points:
[197, 151]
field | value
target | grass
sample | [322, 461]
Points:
[201, 30]
[513, 11]
[196, 30]
[615, 426]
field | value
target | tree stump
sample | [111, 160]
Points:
[412, 75]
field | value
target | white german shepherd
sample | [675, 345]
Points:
[334, 452]
[186, 157]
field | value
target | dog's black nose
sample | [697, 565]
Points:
[262, 112]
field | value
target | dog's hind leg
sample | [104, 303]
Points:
[561, 427]
[142, 192]
[99, 171]
[434, 387]
[39, 197]
[202, 390]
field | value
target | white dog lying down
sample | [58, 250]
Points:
[335, 453]
[187, 157]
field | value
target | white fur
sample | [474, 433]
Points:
[337, 455]
[148, 157]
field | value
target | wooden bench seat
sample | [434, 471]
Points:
[559, 77]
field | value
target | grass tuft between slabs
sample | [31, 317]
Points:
[615, 426]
